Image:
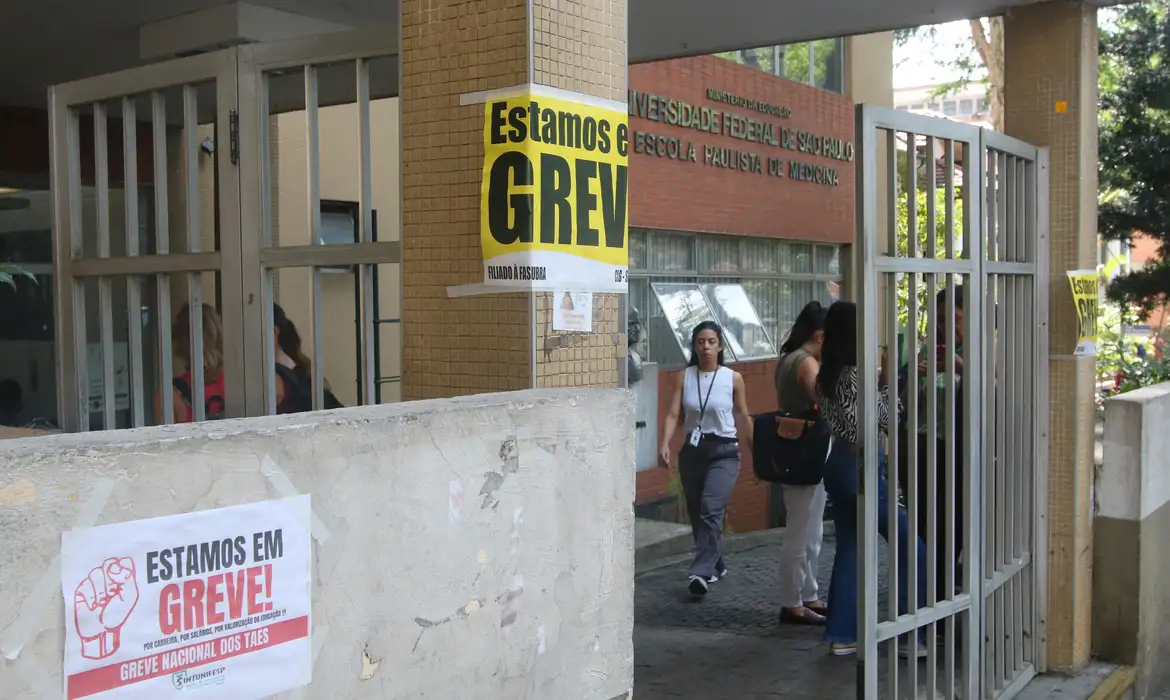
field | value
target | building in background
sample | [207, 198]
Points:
[967, 104]
[742, 210]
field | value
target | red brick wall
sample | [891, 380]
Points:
[749, 504]
[695, 196]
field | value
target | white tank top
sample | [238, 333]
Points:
[719, 416]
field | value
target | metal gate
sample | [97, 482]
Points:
[951, 257]
[210, 223]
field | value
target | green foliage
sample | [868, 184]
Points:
[1120, 366]
[9, 273]
[923, 236]
[794, 60]
[1134, 123]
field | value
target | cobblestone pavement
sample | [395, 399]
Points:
[730, 644]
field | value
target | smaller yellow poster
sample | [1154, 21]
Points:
[1085, 291]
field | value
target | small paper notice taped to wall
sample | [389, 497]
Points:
[573, 312]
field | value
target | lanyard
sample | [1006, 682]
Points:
[699, 392]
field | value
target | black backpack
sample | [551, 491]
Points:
[790, 449]
[298, 397]
[214, 406]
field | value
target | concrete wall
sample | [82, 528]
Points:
[550, 470]
[1131, 562]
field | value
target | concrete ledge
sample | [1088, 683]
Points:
[1131, 564]
[520, 503]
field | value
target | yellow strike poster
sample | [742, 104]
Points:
[554, 197]
[1085, 286]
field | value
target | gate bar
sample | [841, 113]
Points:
[313, 181]
[162, 246]
[133, 283]
[101, 164]
[366, 273]
[194, 279]
[932, 534]
[864, 254]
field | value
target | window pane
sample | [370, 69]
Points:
[828, 260]
[796, 259]
[719, 255]
[685, 307]
[742, 327]
[795, 57]
[761, 255]
[637, 250]
[949, 108]
[966, 107]
[760, 59]
[828, 71]
[669, 252]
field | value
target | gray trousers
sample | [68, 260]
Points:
[708, 473]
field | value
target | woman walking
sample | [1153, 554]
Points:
[837, 390]
[804, 503]
[708, 401]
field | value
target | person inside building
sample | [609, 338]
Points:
[804, 502]
[182, 394]
[294, 370]
[708, 401]
[937, 442]
[838, 396]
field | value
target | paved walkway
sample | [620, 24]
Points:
[731, 645]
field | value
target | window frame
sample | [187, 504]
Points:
[696, 275]
[778, 52]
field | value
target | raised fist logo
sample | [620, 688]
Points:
[101, 605]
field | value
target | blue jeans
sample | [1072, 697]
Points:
[842, 471]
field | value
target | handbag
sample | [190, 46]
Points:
[790, 449]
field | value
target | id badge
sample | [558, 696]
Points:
[696, 435]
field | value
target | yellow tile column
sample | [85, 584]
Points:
[1051, 100]
[470, 345]
[495, 342]
[581, 47]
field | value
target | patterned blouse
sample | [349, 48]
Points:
[840, 409]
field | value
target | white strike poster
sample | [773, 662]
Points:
[212, 604]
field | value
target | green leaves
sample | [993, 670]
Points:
[9, 273]
[1134, 156]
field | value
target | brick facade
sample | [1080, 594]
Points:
[694, 196]
[673, 194]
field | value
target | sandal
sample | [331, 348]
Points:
[805, 616]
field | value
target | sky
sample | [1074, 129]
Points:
[916, 64]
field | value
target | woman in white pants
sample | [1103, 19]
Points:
[796, 375]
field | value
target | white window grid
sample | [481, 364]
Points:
[797, 273]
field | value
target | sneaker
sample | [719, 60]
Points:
[837, 649]
[919, 651]
[715, 579]
[697, 586]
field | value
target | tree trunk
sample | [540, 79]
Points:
[988, 38]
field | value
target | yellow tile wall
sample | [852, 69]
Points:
[465, 345]
[451, 47]
[580, 45]
[1051, 58]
